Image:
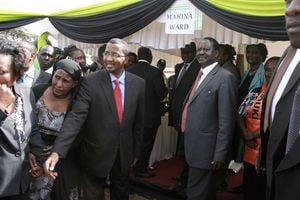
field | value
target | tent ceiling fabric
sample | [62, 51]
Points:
[270, 28]
[17, 23]
[154, 36]
[119, 23]
[97, 26]
[254, 7]
[16, 9]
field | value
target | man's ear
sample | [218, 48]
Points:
[126, 60]
[217, 52]
[32, 57]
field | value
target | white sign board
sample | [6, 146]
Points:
[180, 21]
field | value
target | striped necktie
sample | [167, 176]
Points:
[192, 93]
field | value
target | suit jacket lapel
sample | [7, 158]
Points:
[292, 81]
[108, 92]
[291, 158]
[36, 76]
[128, 94]
[273, 76]
[187, 73]
[207, 79]
[24, 93]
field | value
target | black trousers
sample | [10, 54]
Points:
[201, 184]
[254, 183]
[16, 197]
[148, 142]
[93, 187]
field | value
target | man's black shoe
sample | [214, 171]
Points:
[238, 189]
[177, 187]
[176, 178]
[230, 172]
[147, 174]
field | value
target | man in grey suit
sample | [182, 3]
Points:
[31, 75]
[109, 112]
[208, 121]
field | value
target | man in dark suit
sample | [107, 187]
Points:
[155, 92]
[282, 160]
[46, 58]
[109, 112]
[208, 121]
[185, 75]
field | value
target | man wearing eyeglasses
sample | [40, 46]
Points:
[109, 112]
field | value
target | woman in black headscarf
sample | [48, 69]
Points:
[53, 101]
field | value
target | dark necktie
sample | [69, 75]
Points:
[118, 99]
[192, 93]
[182, 72]
[294, 126]
[275, 83]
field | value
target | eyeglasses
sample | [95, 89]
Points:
[113, 55]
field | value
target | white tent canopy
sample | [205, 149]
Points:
[164, 45]
[46, 7]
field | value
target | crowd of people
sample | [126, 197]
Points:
[68, 128]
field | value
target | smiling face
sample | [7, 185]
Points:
[7, 76]
[292, 18]
[62, 83]
[206, 54]
[114, 59]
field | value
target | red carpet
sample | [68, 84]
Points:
[166, 169]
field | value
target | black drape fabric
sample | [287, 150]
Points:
[118, 23]
[17, 23]
[130, 19]
[269, 28]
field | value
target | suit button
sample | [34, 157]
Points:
[18, 154]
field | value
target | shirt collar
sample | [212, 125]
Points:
[210, 67]
[121, 78]
[141, 60]
[30, 72]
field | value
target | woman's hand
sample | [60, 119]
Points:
[7, 98]
[35, 170]
[47, 151]
[50, 164]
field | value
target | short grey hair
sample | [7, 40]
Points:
[125, 49]
[29, 46]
